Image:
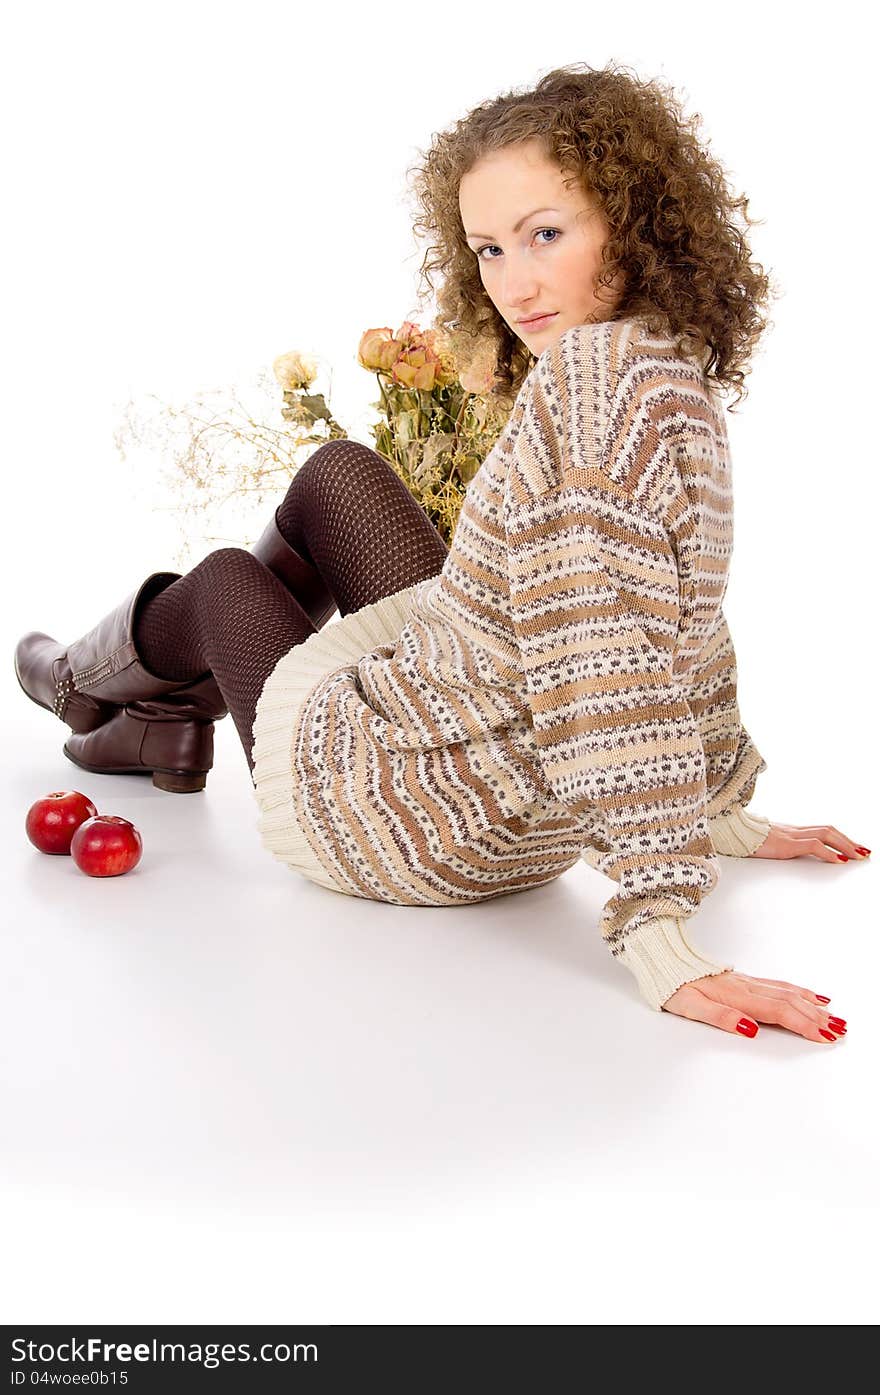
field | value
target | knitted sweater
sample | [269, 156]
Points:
[567, 685]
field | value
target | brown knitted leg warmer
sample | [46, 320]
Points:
[346, 511]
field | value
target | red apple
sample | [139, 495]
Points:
[51, 822]
[106, 846]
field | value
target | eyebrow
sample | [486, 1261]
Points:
[518, 225]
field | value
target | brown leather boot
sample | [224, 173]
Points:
[147, 725]
[172, 736]
[302, 579]
[44, 675]
[166, 729]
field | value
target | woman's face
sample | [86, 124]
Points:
[538, 244]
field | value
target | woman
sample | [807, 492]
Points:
[561, 682]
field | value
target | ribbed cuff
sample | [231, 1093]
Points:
[660, 956]
[737, 833]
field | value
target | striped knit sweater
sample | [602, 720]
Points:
[566, 687]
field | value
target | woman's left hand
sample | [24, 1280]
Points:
[815, 840]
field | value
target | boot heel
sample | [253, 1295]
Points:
[179, 781]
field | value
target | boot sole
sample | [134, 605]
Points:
[172, 781]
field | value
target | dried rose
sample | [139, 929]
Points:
[295, 370]
[478, 378]
[414, 374]
[378, 349]
[409, 333]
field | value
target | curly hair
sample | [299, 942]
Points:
[686, 265]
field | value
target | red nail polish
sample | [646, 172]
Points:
[829, 1036]
[747, 1028]
[864, 851]
[842, 858]
[822, 999]
[836, 1021]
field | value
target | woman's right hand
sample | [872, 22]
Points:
[737, 1003]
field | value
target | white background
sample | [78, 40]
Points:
[433, 1128]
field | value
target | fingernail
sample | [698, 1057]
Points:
[748, 1028]
[836, 1021]
[842, 858]
[822, 999]
[829, 1036]
[864, 851]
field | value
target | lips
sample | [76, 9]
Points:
[535, 319]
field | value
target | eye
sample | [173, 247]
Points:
[489, 245]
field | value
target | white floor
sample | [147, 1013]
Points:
[231, 1095]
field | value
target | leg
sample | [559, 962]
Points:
[168, 660]
[351, 515]
[230, 615]
[348, 514]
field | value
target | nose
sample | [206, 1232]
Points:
[519, 285]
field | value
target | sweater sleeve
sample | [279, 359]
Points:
[733, 761]
[739, 832]
[593, 585]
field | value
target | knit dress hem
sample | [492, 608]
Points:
[290, 683]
